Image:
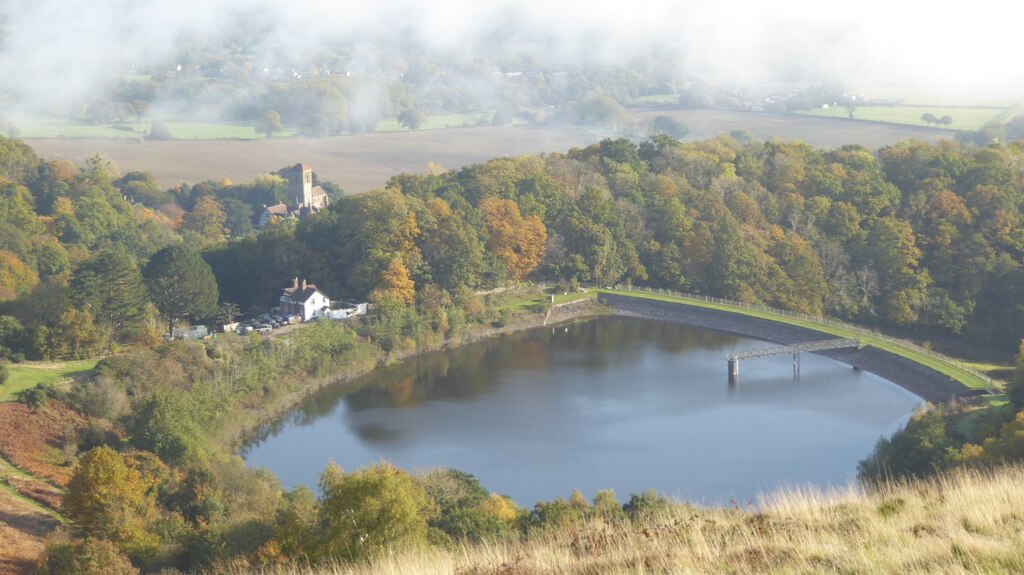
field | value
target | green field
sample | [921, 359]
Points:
[957, 371]
[963, 118]
[26, 375]
[58, 128]
[61, 128]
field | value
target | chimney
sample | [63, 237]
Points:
[303, 285]
[295, 284]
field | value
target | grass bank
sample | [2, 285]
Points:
[966, 522]
[958, 371]
[28, 375]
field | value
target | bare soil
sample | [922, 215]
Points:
[363, 162]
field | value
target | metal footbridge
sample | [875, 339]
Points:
[795, 349]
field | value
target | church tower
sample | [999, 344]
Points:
[300, 185]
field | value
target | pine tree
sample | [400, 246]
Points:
[181, 284]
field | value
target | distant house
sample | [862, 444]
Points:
[305, 301]
[304, 198]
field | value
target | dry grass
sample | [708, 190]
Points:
[968, 522]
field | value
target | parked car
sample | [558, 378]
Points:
[243, 329]
[264, 329]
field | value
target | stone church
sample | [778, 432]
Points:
[304, 198]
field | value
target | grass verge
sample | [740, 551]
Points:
[944, 366]
[26, 375]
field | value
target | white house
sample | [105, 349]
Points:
[305, 301]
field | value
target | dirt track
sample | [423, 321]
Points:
[364, 162]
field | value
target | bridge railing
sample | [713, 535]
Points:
[816, 319]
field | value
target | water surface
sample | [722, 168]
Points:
[614, 402]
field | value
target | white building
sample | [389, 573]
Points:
[305, 301]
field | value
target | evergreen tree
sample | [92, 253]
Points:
[109, 284]
[181, 284]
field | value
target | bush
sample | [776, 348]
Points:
[370, 511]
[646, 505]
[89, 557]
[35, 397]
[5, 374]
[101, 398]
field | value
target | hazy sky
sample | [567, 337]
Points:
[59, 50]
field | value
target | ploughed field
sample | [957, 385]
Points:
[363, 162]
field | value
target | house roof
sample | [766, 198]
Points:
[300, 295]
[277, 210]
[318, 191]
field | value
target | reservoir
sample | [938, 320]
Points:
[613, 402]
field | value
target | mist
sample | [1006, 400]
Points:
[57, 54]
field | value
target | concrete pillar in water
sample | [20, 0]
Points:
[734, 371]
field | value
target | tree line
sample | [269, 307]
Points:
[920, 237]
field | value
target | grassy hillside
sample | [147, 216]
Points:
[28, 375]
[968, 522]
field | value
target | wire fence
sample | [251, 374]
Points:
[815, 319]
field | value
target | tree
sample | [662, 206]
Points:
[75, 336]
[206, 220]
[269, 124]
[181, 284]
[516, 241]
[227, 313]
[669, 126]
[412, 118]
[929, 118]
[158, 131]
[110, 285]
[945, 120]
[110, 499]
[369, 511]
[16, 278]
[139, 109]
[395, 281]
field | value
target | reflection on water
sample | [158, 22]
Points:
[613, 402]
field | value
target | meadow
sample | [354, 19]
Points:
[964, 118]
[28, 375]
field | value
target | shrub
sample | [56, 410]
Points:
[89, 557]
[35, 397]
[370, 511]
[5, 374]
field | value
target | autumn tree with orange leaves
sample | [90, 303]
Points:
[516, 241]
